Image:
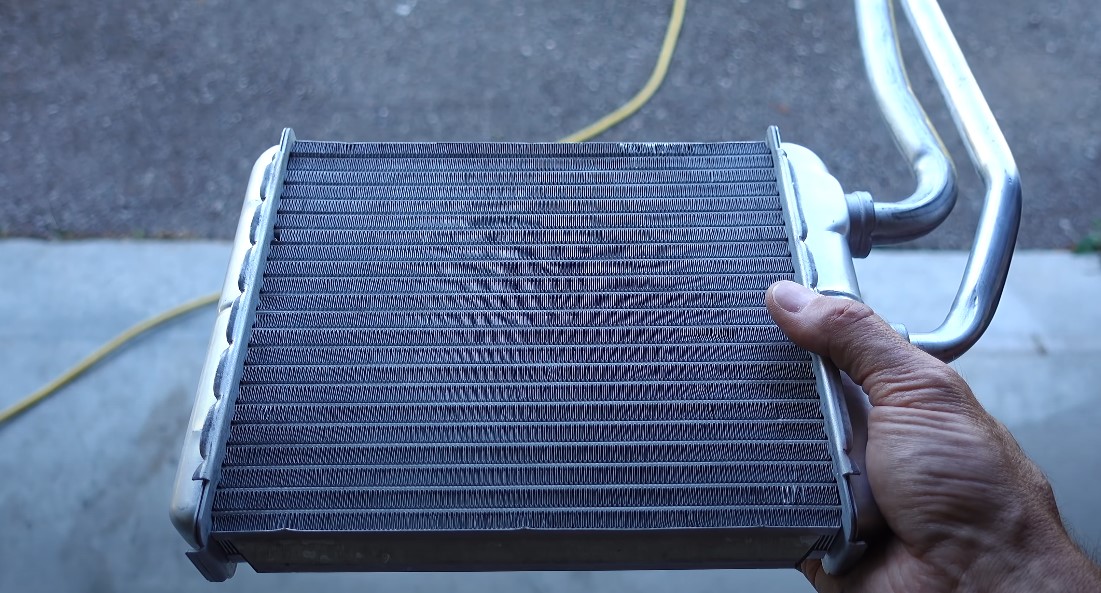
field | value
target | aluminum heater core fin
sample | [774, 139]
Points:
[505, 356]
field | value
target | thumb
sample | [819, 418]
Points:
[891, 370]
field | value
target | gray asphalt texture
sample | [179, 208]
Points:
[142, 119]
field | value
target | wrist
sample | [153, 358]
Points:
[1042, 560]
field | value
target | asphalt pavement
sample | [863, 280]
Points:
[141, 119]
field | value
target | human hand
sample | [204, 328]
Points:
[967, 510]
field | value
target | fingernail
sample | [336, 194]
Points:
[792, 297]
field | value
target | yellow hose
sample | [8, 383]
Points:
[656, 78]
[102, 352]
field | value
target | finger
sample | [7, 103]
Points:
[890, 369]
[846, 331]
[819, 579]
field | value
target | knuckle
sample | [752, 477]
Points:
[846, 314]
[943, 377]
[935, 378]
[850, 324]
[933, 386]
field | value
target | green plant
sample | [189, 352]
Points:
[1091, 243]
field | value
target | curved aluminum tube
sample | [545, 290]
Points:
[915, 136]
[985, 274]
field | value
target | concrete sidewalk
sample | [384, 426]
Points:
[87, 475]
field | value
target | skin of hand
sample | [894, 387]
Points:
[967, 510]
